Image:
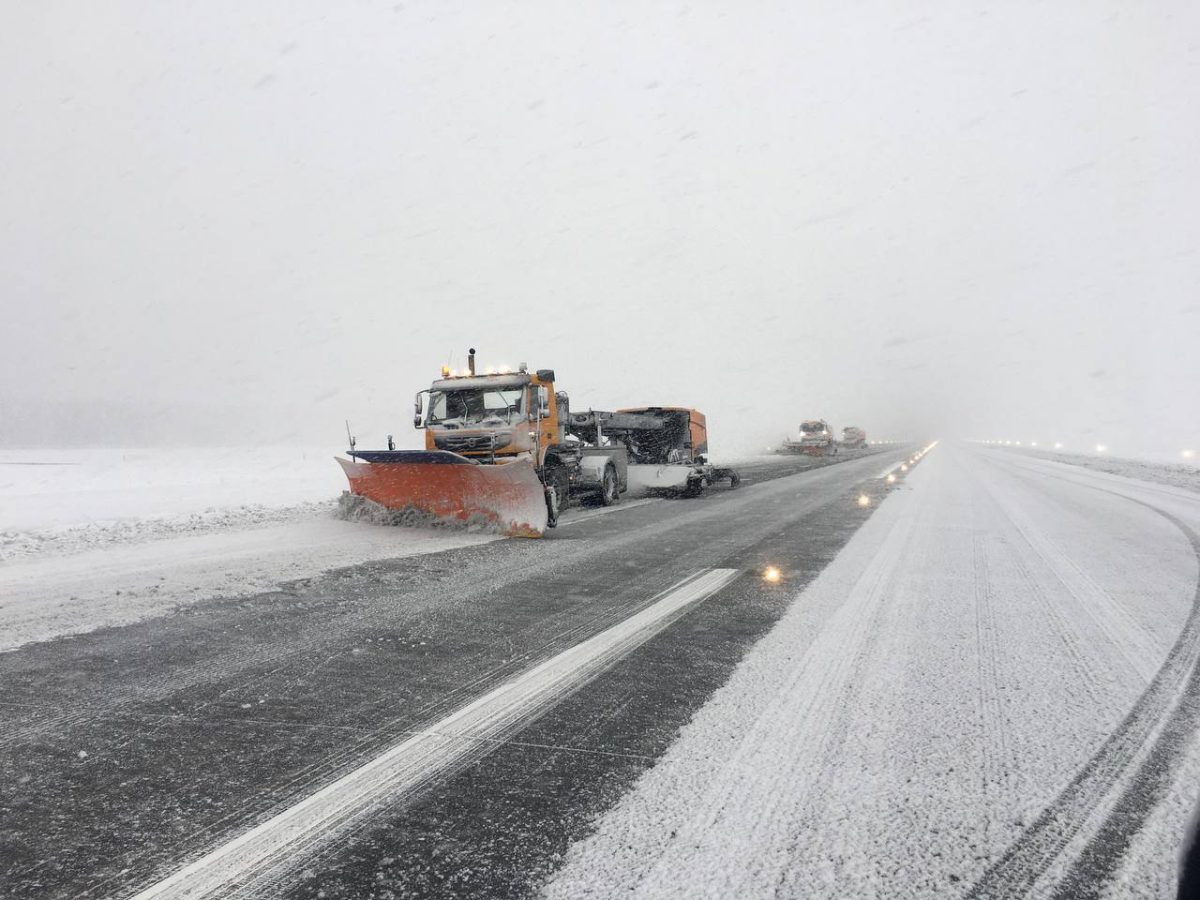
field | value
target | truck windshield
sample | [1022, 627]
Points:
[479, 406]
[812, 428]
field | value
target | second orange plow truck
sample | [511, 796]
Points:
[503, 449]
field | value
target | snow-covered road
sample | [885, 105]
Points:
[130, 751]
[963, 702]
[978, 682]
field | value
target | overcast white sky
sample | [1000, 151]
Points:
[230, 221]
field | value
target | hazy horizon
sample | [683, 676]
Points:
[224, 224]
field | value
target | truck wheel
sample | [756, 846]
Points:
[556, 477]
[551, 507]
[609, 491]
[734, 479]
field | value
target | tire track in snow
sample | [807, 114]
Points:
[1088, 674]
[1091, 673]
[1135, 644]
[1152, 736]
[885, 622]
[995, 749]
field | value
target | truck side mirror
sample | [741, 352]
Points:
[543, 400]
[419, 410]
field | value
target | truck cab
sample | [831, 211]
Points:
[491, 417]
[816, 437]
[500, 416]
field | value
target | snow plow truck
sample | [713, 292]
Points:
[816, 439]
[853, 438]
[503, 449]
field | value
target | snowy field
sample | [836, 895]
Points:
[70, 499]
[94, 538]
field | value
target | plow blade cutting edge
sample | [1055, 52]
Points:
[508, 496]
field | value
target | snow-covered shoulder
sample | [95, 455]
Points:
[1183, 474]
[90, 539]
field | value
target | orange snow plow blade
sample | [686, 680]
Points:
[508, 495]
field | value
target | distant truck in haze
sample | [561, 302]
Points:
[816, 439]
[853, 438]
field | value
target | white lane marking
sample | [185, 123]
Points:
[418, 759]
[591, 514]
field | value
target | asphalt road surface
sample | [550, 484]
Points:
[979, 683]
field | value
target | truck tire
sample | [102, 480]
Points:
[556, 477]
[610, 491]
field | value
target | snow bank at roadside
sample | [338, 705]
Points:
[68, 501]
[1184, 475]
[16, 545]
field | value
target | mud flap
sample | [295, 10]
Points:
[508, 496]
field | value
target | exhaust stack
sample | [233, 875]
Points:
[471, 360]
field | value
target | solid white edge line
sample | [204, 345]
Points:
[533, 691]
